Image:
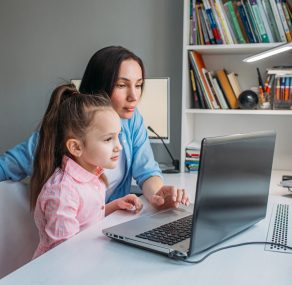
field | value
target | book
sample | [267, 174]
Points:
[195, 101]
[229, 9]
[218, 22]
[258, 21]
[198, 65]
[278, 21]
[246, 22]
[233, 80]
[252, 21]
[280, 70]
[213, 24]
[227, 30]
[205, 37]
[208, 27]
[265, 21]
[283, 20]
[272, 21]
[236, 6]
[227, 89]
[287, 15]
[220, 94]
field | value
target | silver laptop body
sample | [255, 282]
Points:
[231, 195]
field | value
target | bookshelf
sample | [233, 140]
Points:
[200, 123]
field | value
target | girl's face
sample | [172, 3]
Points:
[128, 88]
[101, 146]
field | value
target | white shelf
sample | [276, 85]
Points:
[199, 123]
[232, 49]
[240, 112]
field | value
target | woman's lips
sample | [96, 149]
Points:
[130, 109]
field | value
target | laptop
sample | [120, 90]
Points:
[232, 191]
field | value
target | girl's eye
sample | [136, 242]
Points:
[108, 139]
[139, 86]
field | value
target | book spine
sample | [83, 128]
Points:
[235, 23]
[208, 27]
[218, 22]
[278, 20]
[206, 39]
[213, 23]
[224, 22]
[265, 21]
[219, 94]
[245, 22]
[195, 101]
[252, 21]
[258, 21]
[287, 16]
[283, 21]
[270, 15]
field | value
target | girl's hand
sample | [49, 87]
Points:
[130, 202]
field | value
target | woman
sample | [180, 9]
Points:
[120, 73]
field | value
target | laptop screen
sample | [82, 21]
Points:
[232, 186]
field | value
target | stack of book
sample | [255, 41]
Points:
[279, 83]
[239, 21]
[212, 90]
[192, 157]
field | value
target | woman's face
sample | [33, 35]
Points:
[128, 88]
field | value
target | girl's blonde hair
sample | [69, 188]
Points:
[69, 114]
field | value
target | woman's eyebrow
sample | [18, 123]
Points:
[127, 79]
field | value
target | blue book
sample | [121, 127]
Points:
[245, 22]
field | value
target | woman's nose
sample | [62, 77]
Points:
[133, 94]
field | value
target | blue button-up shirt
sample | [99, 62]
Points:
[17, 163]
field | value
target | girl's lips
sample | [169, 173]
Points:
[115, 158]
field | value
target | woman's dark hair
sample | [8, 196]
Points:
[68, 115]
[103, 69]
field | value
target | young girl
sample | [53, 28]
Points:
[78, 138]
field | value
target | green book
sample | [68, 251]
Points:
[234, 22]
[258, 21]
[269, 12]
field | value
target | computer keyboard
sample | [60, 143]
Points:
[170, 233]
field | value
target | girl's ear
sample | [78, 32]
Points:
[74, 147]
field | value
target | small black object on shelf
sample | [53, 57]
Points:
[248, 99]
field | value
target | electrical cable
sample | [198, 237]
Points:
[179, 258]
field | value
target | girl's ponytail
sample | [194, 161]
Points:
[48, 156]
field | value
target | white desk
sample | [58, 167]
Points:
[91, 258]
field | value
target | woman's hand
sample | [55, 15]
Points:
[169, 197]
[129, 202]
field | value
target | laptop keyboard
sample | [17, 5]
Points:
[170, 233]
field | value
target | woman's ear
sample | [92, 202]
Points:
[74, 147]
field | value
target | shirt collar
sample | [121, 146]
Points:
[78, 172]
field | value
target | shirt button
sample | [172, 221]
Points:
[102, 207]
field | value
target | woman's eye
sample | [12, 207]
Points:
[139, 86]
[121, 85]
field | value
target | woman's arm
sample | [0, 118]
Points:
[17, 163]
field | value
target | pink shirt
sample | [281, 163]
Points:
[70, 201]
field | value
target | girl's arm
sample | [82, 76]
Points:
[17, 163]
[130, 202]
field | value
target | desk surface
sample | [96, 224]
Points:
[92, 258]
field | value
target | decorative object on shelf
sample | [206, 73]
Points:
[269, 52]
[248, 99]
